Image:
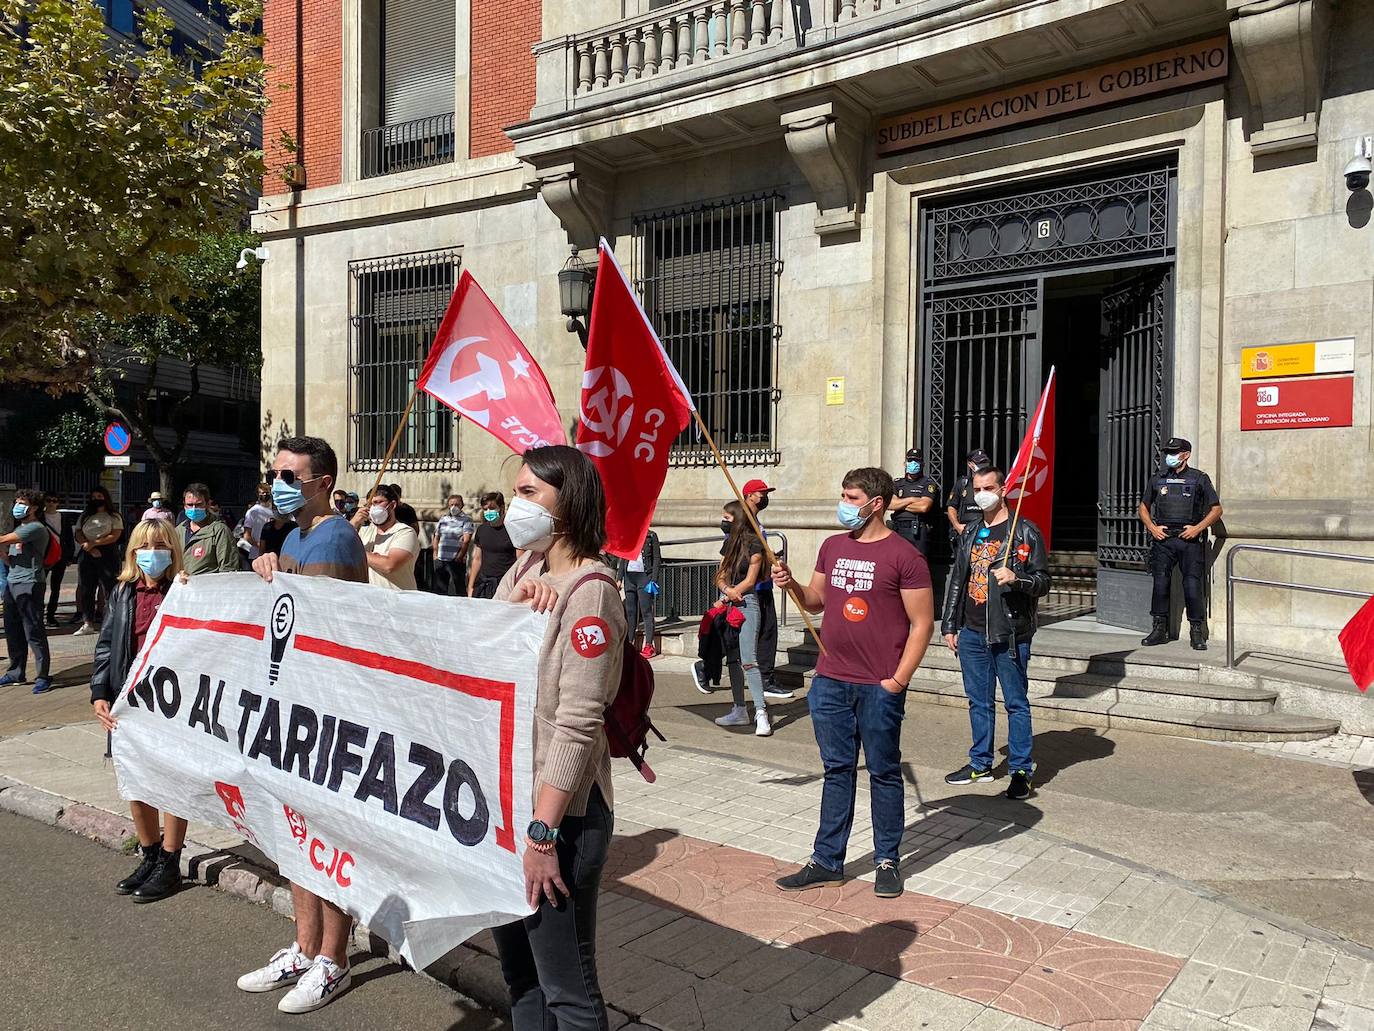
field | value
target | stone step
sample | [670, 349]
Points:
[1104, 709]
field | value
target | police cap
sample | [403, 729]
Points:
[915, 454]
[1177, 445]
[979, 458]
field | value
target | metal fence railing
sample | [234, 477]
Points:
[406, 145]
[1232, 580]
[689, 588]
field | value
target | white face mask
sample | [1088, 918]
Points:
[378, 514]
[530, 525]
[987, 500]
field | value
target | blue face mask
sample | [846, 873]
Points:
[153, 561]
[196, 515]
[1173, 461]
[491, 515]
[849, 515]
[288, 497]
[19, 511]
[913, 468]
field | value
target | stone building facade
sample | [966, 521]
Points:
[860, 225]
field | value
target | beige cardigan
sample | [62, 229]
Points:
[579, 674]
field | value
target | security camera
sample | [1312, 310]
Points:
[1357, 172]
[250, 252]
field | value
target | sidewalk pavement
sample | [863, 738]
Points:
[1001, 928]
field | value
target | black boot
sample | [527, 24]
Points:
[1159, 634]
[145, 868]
[1197, 636]
[164, 880]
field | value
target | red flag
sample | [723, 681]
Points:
[1033, 471]
[478, 367]
[1357, 644]
[634, 405]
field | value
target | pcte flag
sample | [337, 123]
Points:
[634, 405]
[376, 745]
[479, 368]
[1032, 474]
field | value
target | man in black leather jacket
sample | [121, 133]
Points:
[1000, 572]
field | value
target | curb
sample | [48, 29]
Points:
[468, 971]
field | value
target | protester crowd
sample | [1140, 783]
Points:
[546, 548]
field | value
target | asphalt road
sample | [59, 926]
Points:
[79, 956]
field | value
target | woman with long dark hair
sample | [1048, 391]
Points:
[97, 534]
[741, 568]
[558, 518]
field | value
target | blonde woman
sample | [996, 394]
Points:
[152, 561]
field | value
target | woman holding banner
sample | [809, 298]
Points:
[558, 518]
[152, 562]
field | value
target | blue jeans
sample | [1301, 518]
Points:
[744, 661]
[844, 716]
[984, 667]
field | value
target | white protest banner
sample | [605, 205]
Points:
[375, 744]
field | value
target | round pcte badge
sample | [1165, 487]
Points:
[591, 636]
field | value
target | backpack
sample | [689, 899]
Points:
[627, 719]
[53, 555]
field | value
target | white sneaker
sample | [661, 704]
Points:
[762, 726]
[282, 970]
[85, 629]
[736, 717]
[324, 982]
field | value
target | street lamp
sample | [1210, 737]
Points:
[576, 280]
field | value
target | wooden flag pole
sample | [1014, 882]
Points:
[1016, 514]
[395, 439]
[794, 591]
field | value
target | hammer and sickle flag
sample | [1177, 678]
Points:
[479, 368]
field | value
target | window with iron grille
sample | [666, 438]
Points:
[708, 276]
[395, 307]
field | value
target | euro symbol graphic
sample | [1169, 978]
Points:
[487, 380]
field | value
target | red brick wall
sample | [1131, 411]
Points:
[502, 71]
[321, 148]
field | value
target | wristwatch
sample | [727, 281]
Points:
[540, 833]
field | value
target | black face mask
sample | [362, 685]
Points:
[726, 526]
[763, 503]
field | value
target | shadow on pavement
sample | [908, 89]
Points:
[1364, 780]
[1057, 750]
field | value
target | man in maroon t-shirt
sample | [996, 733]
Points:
[875, 589]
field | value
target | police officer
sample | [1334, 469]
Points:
[913, 504]
[960, 506]
[1178, 507]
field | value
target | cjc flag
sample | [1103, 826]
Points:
[1032, 474]
[1357, 645]
[633, 406]
[478, 367]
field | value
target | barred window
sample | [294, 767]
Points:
[708, 276]
[395, 307]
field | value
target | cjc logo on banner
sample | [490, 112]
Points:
[382, 762]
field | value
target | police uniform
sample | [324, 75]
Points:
[915, 526]
[961, 494]
[1176, 499]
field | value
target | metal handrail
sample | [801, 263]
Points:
[781, 550]
[1232, 580]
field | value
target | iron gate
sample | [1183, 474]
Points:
[983, 363]
[1133, 411]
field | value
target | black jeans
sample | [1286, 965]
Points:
[639, 606]
[451, 578]
[1191, 558]
[768, 636]
[549, 959]
[55, 575]
[94, 572]
[24, 631]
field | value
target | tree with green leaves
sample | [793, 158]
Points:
[123, 171]
[217, 323]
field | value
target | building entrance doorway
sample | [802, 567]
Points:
[1075, 275]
